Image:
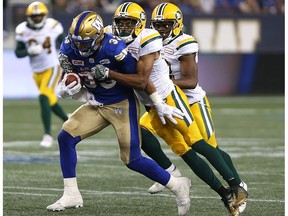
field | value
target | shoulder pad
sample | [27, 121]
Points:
[148, 36]
[185, 40]
[21, 27]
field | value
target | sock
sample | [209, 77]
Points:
[150, 169]
[232, 183]
[222, 191]
[229, 162]
[70, 186]
[45, 113]
[214, 157]
[171, 183]
[68, 155]
[171, 168]
[152, 147]
[201, 169]
[59, 112]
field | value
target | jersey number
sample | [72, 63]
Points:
[46, 44]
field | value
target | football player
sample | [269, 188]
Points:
[145, 45]
[37, 38]
[180, 50]
[109, 103]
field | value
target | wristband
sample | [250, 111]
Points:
[155, 98]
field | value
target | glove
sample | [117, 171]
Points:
[164, 110]
[100, 72]
[35, 49]
[64, 91]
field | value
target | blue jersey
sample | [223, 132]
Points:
[111, 55]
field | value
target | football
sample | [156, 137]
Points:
[71, 77]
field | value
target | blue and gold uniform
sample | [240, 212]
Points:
[108, 103]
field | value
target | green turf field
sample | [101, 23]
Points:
[250, 129]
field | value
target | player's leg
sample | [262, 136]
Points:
[203, 117]
[45, 109]
[126, 126]
[53, 77]
[151, 146]
[190, 132]
[82, 123]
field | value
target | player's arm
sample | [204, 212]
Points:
[189, 72]
[21, 50]
[140, 79]
[63, 90]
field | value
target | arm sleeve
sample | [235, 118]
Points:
[20, 50]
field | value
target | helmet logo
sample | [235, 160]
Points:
[98, 24]
[178, 15]
[142, 16]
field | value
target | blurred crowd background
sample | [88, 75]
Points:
[187, 6]
[193, 7]
[241, 41]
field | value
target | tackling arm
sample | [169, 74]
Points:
[139, 80]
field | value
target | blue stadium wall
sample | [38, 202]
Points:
[241, 54]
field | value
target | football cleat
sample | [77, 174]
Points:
[242, 207]
[73, 200]
[236, 197]
[47, 141]
[182, 191]
[157, 187]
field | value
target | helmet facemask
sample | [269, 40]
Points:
[85, 47]
[165, 28]
[125, 28]
[37, 21]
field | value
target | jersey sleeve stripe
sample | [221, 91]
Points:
[54, 24]
[185, 42]
[150, 38]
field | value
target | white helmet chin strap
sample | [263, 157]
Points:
[169, 38]
[127, 39]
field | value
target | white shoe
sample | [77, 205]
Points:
[182, 193]
[47, 141]
[157, 187]
[67, 201]
[242, 207]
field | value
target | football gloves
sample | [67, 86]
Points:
[164, 110]
[71, 89]
[34, 49]
[100, 72]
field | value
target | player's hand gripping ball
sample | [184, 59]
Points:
[71, 77]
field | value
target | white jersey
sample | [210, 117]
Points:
[150, 41]
[181, 45]
[46, 36]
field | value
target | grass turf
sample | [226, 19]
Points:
[250, 129]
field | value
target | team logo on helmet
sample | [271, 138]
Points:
[178, 15]
[142, 16]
